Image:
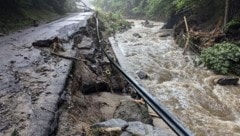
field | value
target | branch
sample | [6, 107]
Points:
[188, 35]
[65, 57]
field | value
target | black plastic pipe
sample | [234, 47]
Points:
[167, 117]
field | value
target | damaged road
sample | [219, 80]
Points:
[32, 80]
[55, 80]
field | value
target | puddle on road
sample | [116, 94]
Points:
[189, 92]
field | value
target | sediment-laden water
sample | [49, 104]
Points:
[187, 91]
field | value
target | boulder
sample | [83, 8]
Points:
[125, 111]
[141, 74]
[137, 128]
[164, 34]
[137, 35]
[228, 81]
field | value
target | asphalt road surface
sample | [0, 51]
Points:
[32, 80]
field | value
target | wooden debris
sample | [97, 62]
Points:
[141, 101]
[188, 35]
[205, 39]
[113, 129]
[153, 114]
[65, 57]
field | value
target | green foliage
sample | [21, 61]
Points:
[113, 22]
[130, 7]
[221, 57]
[160, 8]
[233, 24]
[139, 8]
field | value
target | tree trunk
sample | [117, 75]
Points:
[226, 12]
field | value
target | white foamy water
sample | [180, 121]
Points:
[189, 92]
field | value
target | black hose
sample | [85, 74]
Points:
[167, 117]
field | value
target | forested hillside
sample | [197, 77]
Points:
[165, 9]
[19, 13]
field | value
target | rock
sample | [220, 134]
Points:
[42, 43]
[83, 42]
[117, 83]
[111, 123]
[137, 128]
[137, 35]
[1, 34]
[89, 82]
[164, 34]
[141, 74]
[162, 76]
[125, 111]
[126, 134]
[164, 26]
[228, 81]
[134, 128]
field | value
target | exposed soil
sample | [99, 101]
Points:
[94, 91]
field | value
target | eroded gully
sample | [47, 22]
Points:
[188, 91]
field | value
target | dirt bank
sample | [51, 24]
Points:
[96, 90]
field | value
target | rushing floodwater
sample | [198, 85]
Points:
[189, 92]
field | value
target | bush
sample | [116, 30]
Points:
[222, 57]
[113, 22]
[233, 24]
[232, 29]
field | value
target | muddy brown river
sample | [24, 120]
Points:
[188, 92]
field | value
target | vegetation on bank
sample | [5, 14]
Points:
[112, 23]
[223, 58]
[16, 14]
